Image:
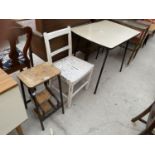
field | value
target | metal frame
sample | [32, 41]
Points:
[32, 93]
[103, 64]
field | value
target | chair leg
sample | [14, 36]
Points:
[130, 58]
[142, 114]
[148, 130]
[70, 94]
[98, 51]
[132, 54]
[135, 53]
[89, 79]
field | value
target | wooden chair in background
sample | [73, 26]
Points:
[150, 123]
[13, 59]
[137, 42]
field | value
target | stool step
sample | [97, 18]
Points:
[43, 96]
[46, 107]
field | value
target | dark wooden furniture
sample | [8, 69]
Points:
[137, 41]
[150, 123]
[40, 75]
[17, 59]
[49, 25]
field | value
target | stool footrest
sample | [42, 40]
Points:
[43, 96]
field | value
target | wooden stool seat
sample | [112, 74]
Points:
[39, 74]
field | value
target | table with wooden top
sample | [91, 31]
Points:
[107, 34]
[12, 111]
[41, 75]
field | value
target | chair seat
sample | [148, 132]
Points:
[6, 61]
[73, 68]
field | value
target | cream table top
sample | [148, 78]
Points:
[105, 33]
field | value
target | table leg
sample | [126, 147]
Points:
[77, 45]
[61, 97]
[104, 61]
[125, 51]
[23, 94]
[98, 51]
[19, 130]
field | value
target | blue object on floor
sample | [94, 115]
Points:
[6, 61]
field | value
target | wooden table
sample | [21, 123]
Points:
[31, 78]
[107, 34]
[12, 111]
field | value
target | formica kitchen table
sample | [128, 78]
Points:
[107, 34]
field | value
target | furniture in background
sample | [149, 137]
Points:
[106, 34]
[73, 69]
[12, 111]
[139, 40]
[13, 59]
[150, 123]
[151, 23]
[41, 75]
[49, 25]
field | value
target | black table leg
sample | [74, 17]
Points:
[98, 51]
[125, 51]
[61, 97]
[23, 94]
[104, 61]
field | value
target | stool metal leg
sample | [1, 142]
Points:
[32, 94]
[23, 94]
[61, 97]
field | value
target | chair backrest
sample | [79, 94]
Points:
[49, 36]
[13, 35]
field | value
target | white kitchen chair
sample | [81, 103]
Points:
[73, 69]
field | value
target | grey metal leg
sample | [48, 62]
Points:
[61, 97]
[23, 94]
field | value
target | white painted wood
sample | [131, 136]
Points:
[12, 110]
[55, 34]
[72, 68]
[105, 33]
[58, 33]
[83, 85]
[53, 53]
[48, 49]
[89, 79]
[70, 94]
